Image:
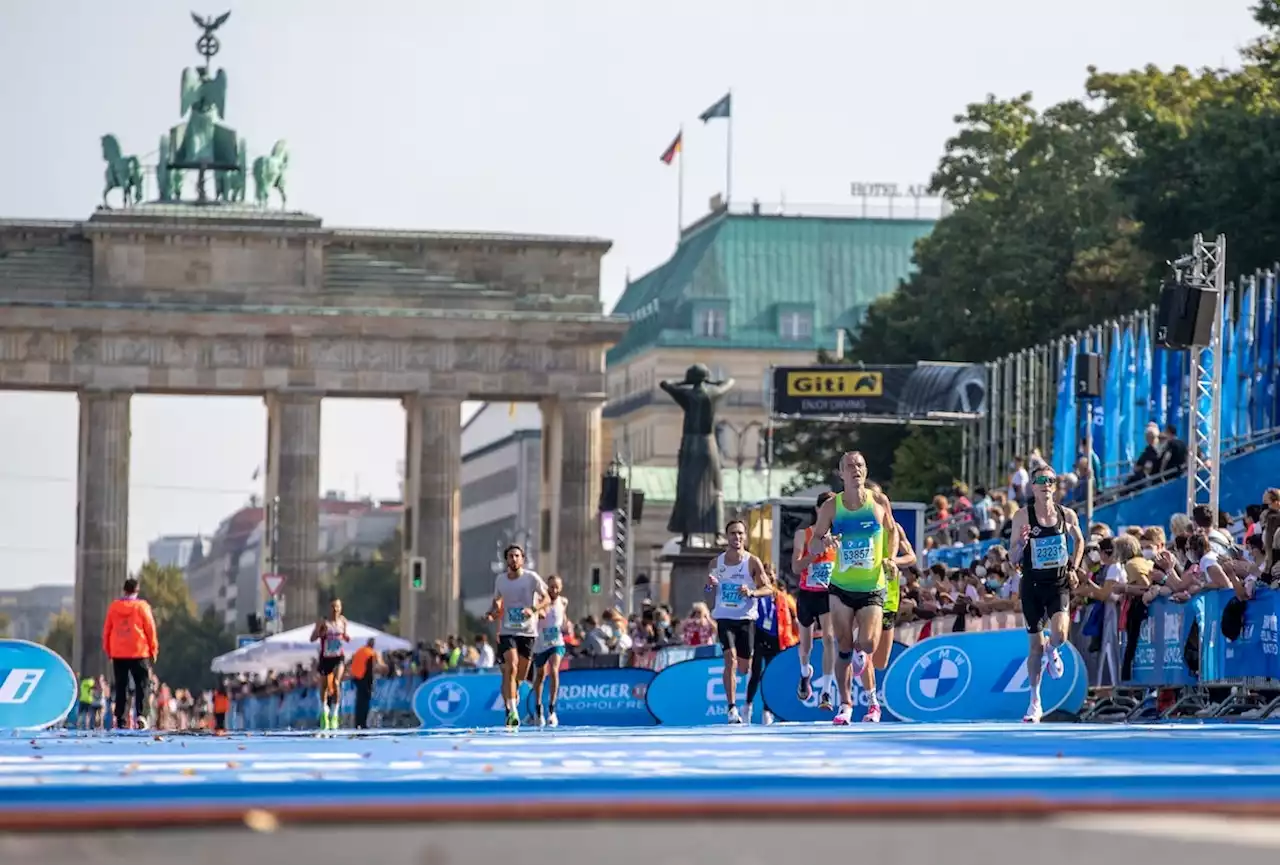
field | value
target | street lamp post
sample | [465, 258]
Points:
[739, 457]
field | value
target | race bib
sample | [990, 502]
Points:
[1049, 552]
[333, 645]
[820, 574]
[855, 553]
[551, 636]
[732, 595]
[515, 617]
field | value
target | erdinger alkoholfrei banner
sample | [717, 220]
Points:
[941, 392]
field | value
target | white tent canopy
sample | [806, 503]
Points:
[287, 650]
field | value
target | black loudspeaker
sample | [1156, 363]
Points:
[1089, 375]
[1185, 316]
[610, 493]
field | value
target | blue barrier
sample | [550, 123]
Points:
[602, 698]
[1159, 658]
[300, 707]
[960, 557]
[691, 694]
[783, 675]
[462, 700]
[977, 676]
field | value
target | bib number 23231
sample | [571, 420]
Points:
[1050, 552]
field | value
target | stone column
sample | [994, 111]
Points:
[577, 535]
[102, 521]
[435, 431]
[293, 475]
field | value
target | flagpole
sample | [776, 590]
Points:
[680, 187]
[728, 157]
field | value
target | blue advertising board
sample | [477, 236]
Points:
[37, 688]
[462, 700]
[691, 694]
[783, 674]
[1159, 657]
[601, 698]
[1254, 652]
[977, 676]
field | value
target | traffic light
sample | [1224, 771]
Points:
[595, 580]
[417, 574]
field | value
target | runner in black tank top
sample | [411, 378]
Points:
[1047, 546]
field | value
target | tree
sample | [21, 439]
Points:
[165, 588]
[61, 635]
[370, 590]
[188, 643]
[924, 464]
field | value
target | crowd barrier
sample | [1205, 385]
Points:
[939, 670]
[962, 556]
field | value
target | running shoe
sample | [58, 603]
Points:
[873, 714]
[844, 716]
[805, 689]
[858, 662]
[826, 702]
[766, 718]
[513, 718]
[734, 717]
[552, 720]
[1053, 663]
[1034, 713]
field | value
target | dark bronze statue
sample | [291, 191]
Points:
[699, 505]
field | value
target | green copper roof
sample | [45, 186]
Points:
[758, 266]
[659, 483]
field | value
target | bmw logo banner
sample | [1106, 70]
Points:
[977, 676]
[783, 675]
[691, 694]
[462, 700]
[600, 698]
[37, 688]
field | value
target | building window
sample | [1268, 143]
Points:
[796, 326]
[709, 322]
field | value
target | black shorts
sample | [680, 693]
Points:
[858, 600]
[766, 646]
[522, 645]
[1041, 600]
[331, 663]
[735, 634]
[811, 605]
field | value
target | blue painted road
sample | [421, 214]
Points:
[918, 763]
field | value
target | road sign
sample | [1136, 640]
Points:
[269, 610]
[243, 640]
[273, 583]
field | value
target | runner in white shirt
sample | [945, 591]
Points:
[548, 651]
[519, 598]
[737, 579]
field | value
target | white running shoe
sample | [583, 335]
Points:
[1053, 663]
[1034, 712]
[538, 720]
[766, 718]
[734, 717]
[844, 716]
[552, 720]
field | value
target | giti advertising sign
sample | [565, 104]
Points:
[925, 390]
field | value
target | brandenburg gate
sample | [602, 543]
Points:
[216, 296]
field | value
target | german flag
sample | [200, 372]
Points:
[675, 147]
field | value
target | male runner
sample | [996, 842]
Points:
[548, 651]
[332, 634]
[812, 607]
[738, 578]
[1049, 573]
[519, 598]
[859, 525]
[904, 557]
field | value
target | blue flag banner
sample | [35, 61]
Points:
[1065, 425]
[1142, 412]
[1130, 412]
[1112, 409]
[1230, 371]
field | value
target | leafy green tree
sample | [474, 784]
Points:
[370, 590]
[61, 635]
[924, 463]
[188, 642]
[165, 588]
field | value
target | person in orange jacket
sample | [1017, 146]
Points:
[129, 640]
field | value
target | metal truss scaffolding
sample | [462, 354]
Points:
[1206, 268]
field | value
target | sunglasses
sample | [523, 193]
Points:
[1044, 481]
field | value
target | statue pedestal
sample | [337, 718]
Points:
[689, 569]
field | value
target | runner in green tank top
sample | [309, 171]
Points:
[861, 527]
[905, 557]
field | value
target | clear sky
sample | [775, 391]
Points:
[507, 115]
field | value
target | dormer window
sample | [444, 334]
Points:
[710, 322]
[796, 326]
